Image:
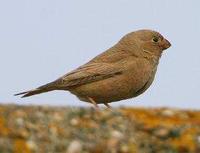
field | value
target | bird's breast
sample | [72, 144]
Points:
[116, 88]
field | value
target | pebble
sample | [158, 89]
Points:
[57, 117]
[74, 122]
[168, 113]
[198, 139]
[32, 145]
[20, 121]
[117, 135]
[162, 132]
[74, 147]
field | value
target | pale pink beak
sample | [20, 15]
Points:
[165, 44]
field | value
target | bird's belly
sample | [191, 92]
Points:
[111, 89]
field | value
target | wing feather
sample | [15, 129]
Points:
[88, 73]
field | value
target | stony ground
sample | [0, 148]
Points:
[42, 129]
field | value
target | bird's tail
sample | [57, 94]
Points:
[45, 88]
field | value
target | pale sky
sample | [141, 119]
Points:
[41, 40]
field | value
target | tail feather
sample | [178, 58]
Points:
[30, 93]
[45, 88]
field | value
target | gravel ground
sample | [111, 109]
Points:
[43, 129]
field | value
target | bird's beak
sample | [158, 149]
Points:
[165, 44]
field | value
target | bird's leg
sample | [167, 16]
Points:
[107, 105]
[93, 102]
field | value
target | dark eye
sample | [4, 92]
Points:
[155, 39]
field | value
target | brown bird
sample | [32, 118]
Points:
[124, 71]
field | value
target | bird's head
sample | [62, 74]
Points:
[146, 41]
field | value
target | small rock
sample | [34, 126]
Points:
[198, 139]
[124, 149]
[32, 145]
[20, 122]
[74, 121]
[168, 113]
[113, 142]
[74, 147]
[117, 135]
[162, 133]
[57, 117]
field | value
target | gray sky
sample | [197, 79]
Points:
[41, 40]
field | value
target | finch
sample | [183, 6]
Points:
[124, 71]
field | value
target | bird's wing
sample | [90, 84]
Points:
[88, 73]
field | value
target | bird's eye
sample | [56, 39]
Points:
[155, 39]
